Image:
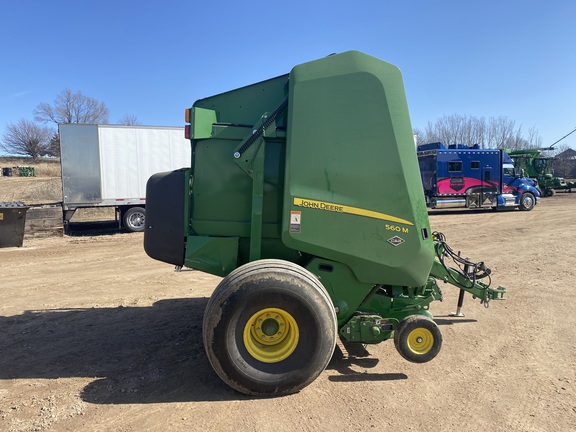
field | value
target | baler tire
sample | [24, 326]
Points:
[133, 219]
[527, 201]
[286, 296]
[418, 339]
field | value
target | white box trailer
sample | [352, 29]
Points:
[108, 166]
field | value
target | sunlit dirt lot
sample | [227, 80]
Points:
[96, 336]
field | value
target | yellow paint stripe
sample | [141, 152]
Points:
[339, 208]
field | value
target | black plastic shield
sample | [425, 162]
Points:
[164, 238]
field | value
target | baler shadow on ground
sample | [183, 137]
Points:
[136, 354]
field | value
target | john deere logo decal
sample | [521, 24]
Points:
[396, 241]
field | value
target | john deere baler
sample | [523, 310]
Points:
[304, 194]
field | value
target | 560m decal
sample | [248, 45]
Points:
[339, 208]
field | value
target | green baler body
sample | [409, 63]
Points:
[317, 167]
[352, 172]
[340, 174]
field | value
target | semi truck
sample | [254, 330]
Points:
[304, 194]
[469, 177]
[108, 165]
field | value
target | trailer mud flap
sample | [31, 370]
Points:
[164, 232]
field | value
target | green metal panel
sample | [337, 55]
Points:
[245, 105]
[215, 255]
[239, 197]
[222, 191]
[201, 122]
[353, 191]
[346, 292]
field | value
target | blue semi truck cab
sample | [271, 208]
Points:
[470, 177]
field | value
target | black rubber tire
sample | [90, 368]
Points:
[527, 201]
[134, 219]
[253, 288]
[407, 339]
[550, 192]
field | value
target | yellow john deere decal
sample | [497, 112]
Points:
[338, 208]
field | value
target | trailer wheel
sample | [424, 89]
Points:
[418, 339]
[527, 201]
[133, 219]
[269, 328]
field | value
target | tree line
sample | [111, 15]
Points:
[37, 138]
[494, 132]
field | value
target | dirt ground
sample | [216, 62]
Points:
[96, 336]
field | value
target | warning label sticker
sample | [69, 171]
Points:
[295, 221]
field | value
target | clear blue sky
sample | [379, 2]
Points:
[153, 59]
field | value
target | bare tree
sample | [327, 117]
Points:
[129, 120]
[419, 136]
[26, 138]
[70, 107]
[561, 149]
[495, 132]
[502, 133]
[54, 145]
[456, 129]
[534, 139]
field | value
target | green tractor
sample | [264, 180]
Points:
[540, 169]
[304, 194]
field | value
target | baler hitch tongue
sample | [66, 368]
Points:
[466, 275]
[496, 293]
[493, 294]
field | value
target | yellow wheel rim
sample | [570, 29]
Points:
[271, 335]
[420, 341]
